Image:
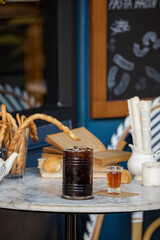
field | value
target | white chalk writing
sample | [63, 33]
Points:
[123, 63]
[145, 4]
[120, 26]
[156, 45]
[132, 4]
[112, 77]
[149, 36]
[140, 52]
[152, 73]
[123, 84]
[119, 4]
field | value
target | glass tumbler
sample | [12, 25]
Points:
[77, 173]
[19, 165]
[114, 174]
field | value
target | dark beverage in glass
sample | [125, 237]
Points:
[77, 173]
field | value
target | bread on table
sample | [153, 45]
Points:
[126, 176]
[52, 164]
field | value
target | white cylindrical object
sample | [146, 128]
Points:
[131, 119]
[146, 123]
[145, 111]
[146, 136]
[145, 105]
[136, 113]
[136, 122]
[151, 174]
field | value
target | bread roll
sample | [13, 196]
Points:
[126, 176]
[52, 164]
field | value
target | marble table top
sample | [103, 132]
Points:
[34, 193]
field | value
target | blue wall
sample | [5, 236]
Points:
[102, 128]
[97, 127]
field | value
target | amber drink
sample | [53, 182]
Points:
[77, 173]
[114, 174]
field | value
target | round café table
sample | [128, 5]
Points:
[33, 193]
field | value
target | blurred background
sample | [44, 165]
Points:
[38, 54]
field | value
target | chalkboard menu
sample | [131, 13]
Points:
[133, 49]
[124, 54]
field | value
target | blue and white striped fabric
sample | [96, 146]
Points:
[13, 103]
[155, 128]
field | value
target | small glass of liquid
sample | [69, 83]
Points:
[114, 174]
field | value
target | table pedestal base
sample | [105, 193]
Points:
[71, 226]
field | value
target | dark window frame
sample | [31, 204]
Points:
[60, 62]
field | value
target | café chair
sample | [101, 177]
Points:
[16, 99]
[119, 141]
[151, 229]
